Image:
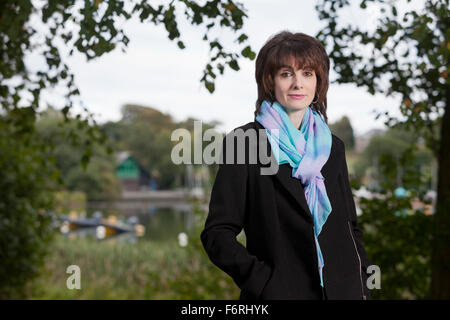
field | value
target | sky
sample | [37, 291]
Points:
[154, 72]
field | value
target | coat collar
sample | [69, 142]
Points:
[294, 186]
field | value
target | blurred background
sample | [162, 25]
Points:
[91, 92]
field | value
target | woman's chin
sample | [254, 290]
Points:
[295, 106]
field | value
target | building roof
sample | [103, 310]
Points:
[122, 156]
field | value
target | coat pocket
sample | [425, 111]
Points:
[254, 285]
[267, 293]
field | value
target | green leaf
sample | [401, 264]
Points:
[210, 86]
[234, 65]
[394, 11]
[84, 161]
[65, 110]
[220, 67]
[242, 38]
[181, 44]
[247, 52]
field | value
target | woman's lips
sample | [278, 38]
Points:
[297, 96]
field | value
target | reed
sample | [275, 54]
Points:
[142, 270]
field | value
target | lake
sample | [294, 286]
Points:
[163, 222]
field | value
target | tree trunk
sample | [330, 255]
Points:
[440, 256]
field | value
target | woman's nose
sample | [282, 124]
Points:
[297, 82]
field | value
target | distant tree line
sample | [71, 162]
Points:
[143, 131]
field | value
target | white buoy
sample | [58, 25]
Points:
[182, 239]
[100, 232]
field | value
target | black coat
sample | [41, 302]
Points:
[280, 261]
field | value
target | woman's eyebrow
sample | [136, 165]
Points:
[287, 67]
[307, 68]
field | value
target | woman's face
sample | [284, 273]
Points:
[295, 90]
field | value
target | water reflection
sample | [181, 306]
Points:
[160, 222]
[92, 233]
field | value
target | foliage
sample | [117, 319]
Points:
[403, 54]
[93, 28]
[97, 179]
[396, 237]
[27, 166]
[64, 201]
[399, 245]
[343, 129]
[395, 158]
[27, 180]
[143, 131]
[146, 133]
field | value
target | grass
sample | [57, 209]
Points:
[142, 270]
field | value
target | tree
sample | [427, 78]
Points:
[92, 28]
[146, 133]
[26, 169]
[405, 56]
[97, 32]
[384, 151]
[343, 129]
[98, 179]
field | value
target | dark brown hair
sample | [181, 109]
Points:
[306, 51]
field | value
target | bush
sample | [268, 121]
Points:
[398, 240]
[27, 180]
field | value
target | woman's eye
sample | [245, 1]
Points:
[286, 74]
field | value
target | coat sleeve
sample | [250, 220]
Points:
[358, 233]
[225, 220]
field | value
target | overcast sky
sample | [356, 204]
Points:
[154, 72]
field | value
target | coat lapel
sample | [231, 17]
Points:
[293, 185]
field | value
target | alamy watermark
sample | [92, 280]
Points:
[241, 147]
[73, 281]
[374, 280]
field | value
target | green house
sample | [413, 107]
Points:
[132, 174]
[128, 169]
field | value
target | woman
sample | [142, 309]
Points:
[302, 237]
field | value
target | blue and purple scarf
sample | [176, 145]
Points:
[307, 150]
